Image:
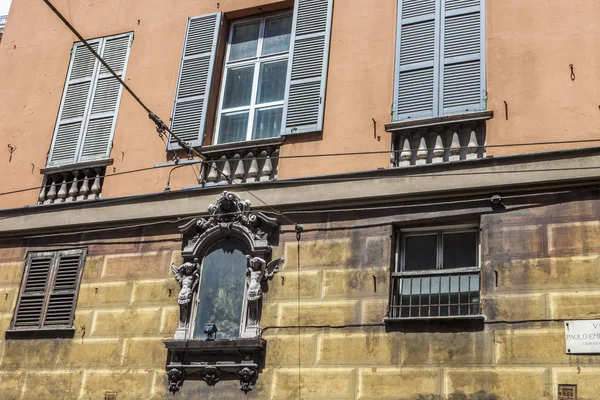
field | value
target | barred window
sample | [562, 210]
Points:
[437, 274]
[49, 290]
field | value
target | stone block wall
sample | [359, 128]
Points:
[540, 266]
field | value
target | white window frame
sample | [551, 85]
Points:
[257, 61]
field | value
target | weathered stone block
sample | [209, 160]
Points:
[104, 294]
[170, 318]
[269, 315]
[353, 282]
[323, 252]
[127, 384]
[163, 291]
[517, 241]
[284, 349]
[37, 354]
[575, 305]
[12, 251]
[377, 252]
[92, 269]
[285, 285]
[11, 273]
[574, 238]
[53, 385]
[91, 352]
[356, 349]
[447, 348]
[398, 383]
[144, 353]
[373, 311]
[533, 346]
[8, 298]
[11, 384]
[5, 320]
[586, 379]
[119, 322]
[515, 307]
[314, 382]
[83, 319]
[577, 272]
[138, 266]
[321, 313]
[503, 383]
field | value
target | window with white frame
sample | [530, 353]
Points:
[436, 274]
[254, 80]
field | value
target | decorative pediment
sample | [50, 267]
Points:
[230, 215]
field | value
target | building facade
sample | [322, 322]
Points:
[358, 201]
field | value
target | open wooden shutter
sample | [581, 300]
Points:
[61, 302]
[73, 109]
[417, 43]
[307, 73]
[98, 133]
[33, 293]
[463, 66]
[195, 79]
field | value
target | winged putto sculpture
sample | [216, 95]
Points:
[187, 275]
[259, 272]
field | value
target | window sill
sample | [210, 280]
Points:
[398, 126]
[479, 317]
[250, 145]
[51, 170]
[215, 360]
[44, 333]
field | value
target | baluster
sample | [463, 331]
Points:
[473, 146]
[74, 191]
[267, 168]
[422, 152]
[240, 172]
[406, 153]
[214, 174]
[62, 193]
[85, 187]
[275, 161]
[454, 148]
[42, 196]
[438, 149]
[253, 170]
[52, 192]
[96, 187]
[227, 176]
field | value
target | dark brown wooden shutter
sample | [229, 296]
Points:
[31, 303]
[49, 293]
[62, 297]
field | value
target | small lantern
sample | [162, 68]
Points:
[210, 330]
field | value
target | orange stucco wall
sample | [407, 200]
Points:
[530, 45]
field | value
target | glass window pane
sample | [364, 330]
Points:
[267, 123]
[244, 41]
[460, 250]
[233, 127]
[271, 82]
[277, 35]
[238, 87]
[420, 252]
[222, 286]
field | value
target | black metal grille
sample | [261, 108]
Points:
[435, 294]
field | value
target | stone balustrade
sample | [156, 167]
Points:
[255, 161]
[438, 144]
[72, 183]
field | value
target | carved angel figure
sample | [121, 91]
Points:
[259, 273]
[187, 275]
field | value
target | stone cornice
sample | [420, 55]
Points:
[448, 180]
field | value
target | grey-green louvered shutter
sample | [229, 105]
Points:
[195, 79]
[463, 67]
[61, 302]
[416, 77]
[31, 302]
[73, 109]
[98, 133]
[307, 73]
